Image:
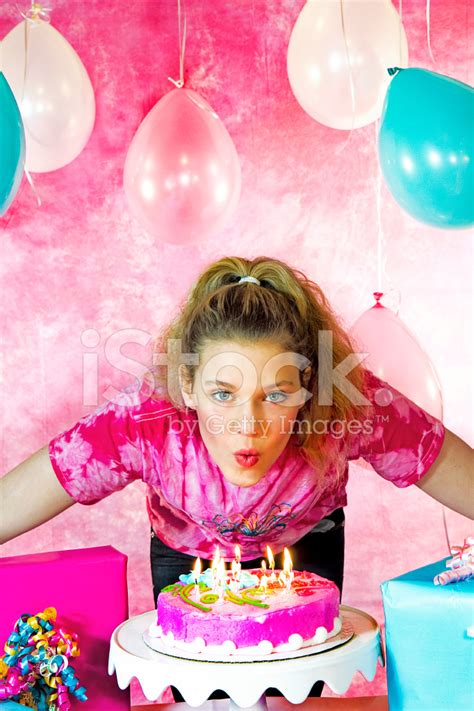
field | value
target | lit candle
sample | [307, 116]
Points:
[237, 562]
[221, 581]
[216, 559]
[222, 572]
[288, 568]
[263, 579]
[234, 586]
[235, 576]
[196, 574]
[214, 569]
[271, 562]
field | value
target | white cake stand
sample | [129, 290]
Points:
[244, 681]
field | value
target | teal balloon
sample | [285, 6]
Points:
[12, 146]
[426, 147]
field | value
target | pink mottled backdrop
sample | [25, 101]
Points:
[80, 262]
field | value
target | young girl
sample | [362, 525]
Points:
[243, 430]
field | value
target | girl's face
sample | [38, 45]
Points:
[246, 398]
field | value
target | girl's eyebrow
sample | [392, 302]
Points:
[229, 385]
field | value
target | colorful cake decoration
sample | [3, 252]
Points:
[217, 584]
[460, 566]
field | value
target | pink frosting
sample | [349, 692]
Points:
[246, 625]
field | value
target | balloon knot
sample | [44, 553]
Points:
[177, 82]
[36, 12]
[393, 70]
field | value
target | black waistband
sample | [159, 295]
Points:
[337, 516]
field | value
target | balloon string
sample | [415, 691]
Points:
[446, 533]
[182, 47]
[428, 30]
[351, 77]
[443, 509]
[400, 13]
[32, 185]
[380, 235]
[381, 253]
[36, 12]
[26, 60]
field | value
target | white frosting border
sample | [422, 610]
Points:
[228, 648]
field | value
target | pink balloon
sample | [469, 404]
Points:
[182, 172]
[396, 357]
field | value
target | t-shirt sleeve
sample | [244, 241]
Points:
[102, 452]
[398, 438]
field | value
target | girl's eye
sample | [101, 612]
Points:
[221, 392]
[281, 395]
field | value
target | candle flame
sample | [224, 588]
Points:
[271, 560]
[237, 553]
[287, 562]
[288, 568]
[197, 569]
[264, 566]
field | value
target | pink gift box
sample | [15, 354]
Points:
[88, 588]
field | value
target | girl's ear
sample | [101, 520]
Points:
[306, 375]
[186, 386]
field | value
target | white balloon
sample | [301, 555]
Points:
[57, 99]
[318, 66]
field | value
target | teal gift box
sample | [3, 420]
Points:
[430, 650]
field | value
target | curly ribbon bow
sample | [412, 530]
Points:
[36, 663]
[460, 566]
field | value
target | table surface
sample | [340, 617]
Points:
[362, 703]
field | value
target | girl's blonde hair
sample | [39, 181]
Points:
[286, 308]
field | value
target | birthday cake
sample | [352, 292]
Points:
[258, 614]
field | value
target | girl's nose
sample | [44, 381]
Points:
[250, 424]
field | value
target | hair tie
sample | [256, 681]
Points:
[249, 278]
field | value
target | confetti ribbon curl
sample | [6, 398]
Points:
[460, 566]
[36, 663]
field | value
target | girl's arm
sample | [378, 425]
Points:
[450, 479]
[30, 494]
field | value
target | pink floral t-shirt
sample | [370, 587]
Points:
[192, 507]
